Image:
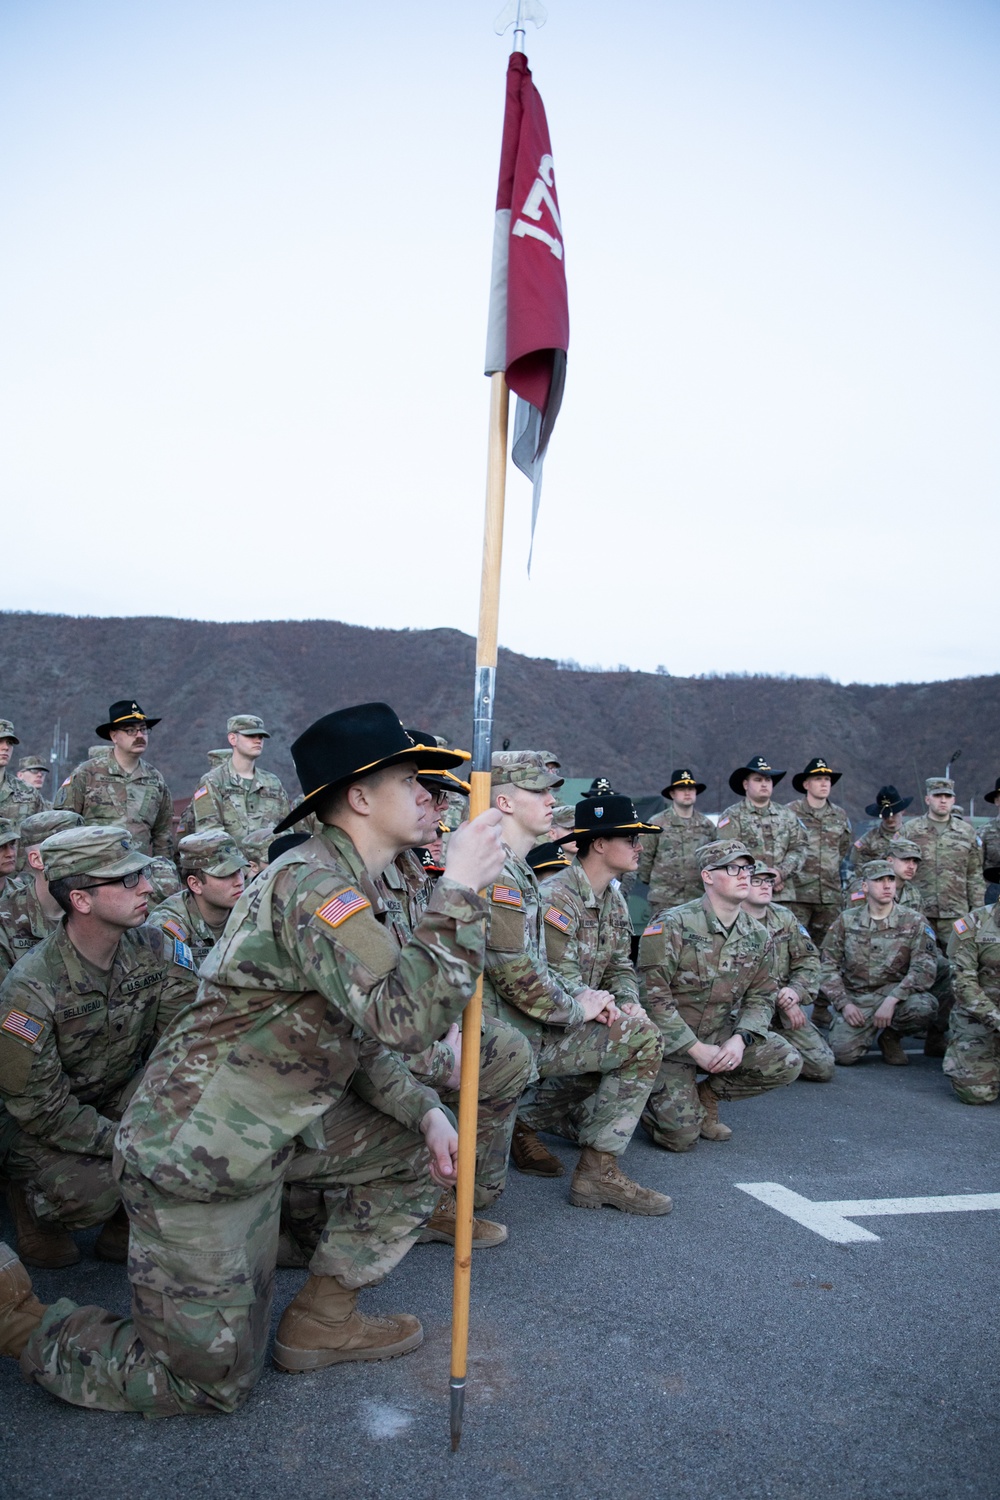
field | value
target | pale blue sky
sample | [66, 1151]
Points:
[244, 263]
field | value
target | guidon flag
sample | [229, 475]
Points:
[528, 332]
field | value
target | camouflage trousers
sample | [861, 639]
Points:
[850, 1043]
[594, 1081]
[815, 917]
[505, 1066]
[674, 1113]
[972, 1060]
[62, 1187]
[202, 1275]
[817, 1058]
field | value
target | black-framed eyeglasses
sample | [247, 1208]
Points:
[761, 879]
[737, 869]
[135, 729]
[129, 881]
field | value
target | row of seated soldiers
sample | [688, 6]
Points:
[577, 1043]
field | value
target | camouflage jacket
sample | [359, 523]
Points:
[772, 833]
[517, 983]
[950, 875]
[180, 917]
[793, 957]
[588, 941]
[302, 975]
[990, 837]
[906, 894]
[862, 956]
[974, 950]
[873, 844]
[18, 801]
[702, 983]
[101, 792]
[23, 924]
[667, 861]
[239, 804]
[828, 842]
[73, 1038]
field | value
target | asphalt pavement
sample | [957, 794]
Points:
[723, 1351]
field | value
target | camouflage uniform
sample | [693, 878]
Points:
[179, 916]
[18, 801]
[815, 894]
[63, 1091]
[702, 983]
[102, 793]
[622, 1059]
[950, 874]
[239, 804]
[873, 844]
[667, 862]
[863, 961]
[23, 924]
[772, 833]
[265, 1055]
[794, 960]
[972, 1060]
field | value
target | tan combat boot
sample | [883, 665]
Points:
[530, 1156]
[891, 1048]
[440, 1227]
[712, 1128]
[321, 1327]
[599, 1182]
[50, 1248]
[20, 1310]
[112, 1242]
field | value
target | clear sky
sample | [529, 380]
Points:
[244, 265]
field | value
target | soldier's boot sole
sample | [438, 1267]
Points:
[372, 1339]
[112, 1242]
[20, 1310]
[43, 1247]
[711, 1128]
[891, 1049]
[598, 1182]
[531, 1158]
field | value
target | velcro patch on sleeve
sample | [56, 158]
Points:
[857, 895]
[960, 926]
[175, 929]
[507, 895]
[722, 823]
[557, 918]
[857, 843]
[653, 930]
[201, 792]
[24, 1027]
[66, 782]
[341, 906]
[804, 931]
[183, 955]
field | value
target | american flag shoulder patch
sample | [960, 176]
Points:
[557, 918]
[857, 843]
[506, 895]
[857, 895]
[341, 906]
[722, 823]
[653, 930]
[201, 792]
[25, 1028]
[960, 926]
[175, 929]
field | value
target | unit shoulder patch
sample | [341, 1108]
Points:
[344, 904]
[507, 895]
[557, 918]
[22, 1027]
[183, 955]
[804, 931]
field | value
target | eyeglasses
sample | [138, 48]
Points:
[134, 729]
[736, 869]
[632, 839]
[129, 881]
[758, 879]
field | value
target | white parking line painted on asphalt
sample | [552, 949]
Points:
[832, 1219]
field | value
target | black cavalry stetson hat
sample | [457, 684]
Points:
[816, 767]
[682, 778]
[887, 801]
[125, 711]
[756, 764]
[545, 859]
[992, 796]
[603, 816]
[345, 745]
[441, 781]
[599, 787]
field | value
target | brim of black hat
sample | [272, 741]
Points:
[991, 874]
[604, 833]
[444, 781]
[874, 811]
[992, 796]
[801, 777]
[430, 757]
[699, 787]
[103, 731]
[742, 772]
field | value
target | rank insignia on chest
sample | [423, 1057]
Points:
[183, 955]
[25, 1028]
[960, 926]
[507, 895]
[557, 918]
[175, 930]
[653, 930]
[341, 906]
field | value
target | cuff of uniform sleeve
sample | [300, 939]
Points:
[434, 1066]
[574, 1014]
[466, 908]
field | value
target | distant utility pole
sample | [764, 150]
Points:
[947, 770]
[58, 755]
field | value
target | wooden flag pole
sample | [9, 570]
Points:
[468, 1101]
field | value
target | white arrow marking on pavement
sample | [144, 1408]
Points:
[832, 1219]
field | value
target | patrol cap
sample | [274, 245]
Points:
[214, 852]
[246, 724]
[7, 731]
[514, 757]
[722, 852]
[9, 833]
[32, 763]
[526, 771]
[939, 784]
[216, 757]
[256, 845]
[761, 868]
[41, 826]
[876, 868]
[108, 853]
[904, 849]
[563, 816]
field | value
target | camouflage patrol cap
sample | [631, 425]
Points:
[563, 817]
[32, 763]
[875, 869]
[214, 852]
[939, 784]
[904, 849]
[97, 750]
[514, 757]
[761, 868]
[108, 853]
[246, 724]
[9, 833]
[525, 769]
[7, 731]
[41, 826]
[722, 852]
[256, 845]
[216, 757]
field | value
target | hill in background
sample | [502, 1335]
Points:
[633, 727]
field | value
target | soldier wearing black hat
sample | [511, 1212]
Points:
[668, 862]
[887, 810]
[771, 832]
[814, 894]
[122, 788]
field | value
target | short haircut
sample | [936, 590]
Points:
[60, 890]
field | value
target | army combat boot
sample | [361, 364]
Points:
[321, 1327]
[20, 1310]
[712, 1128]
[599, 1182]
[891, 1048]
[112, 1242]
[440, 1227]
[530, 1156]
[49, 1247]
